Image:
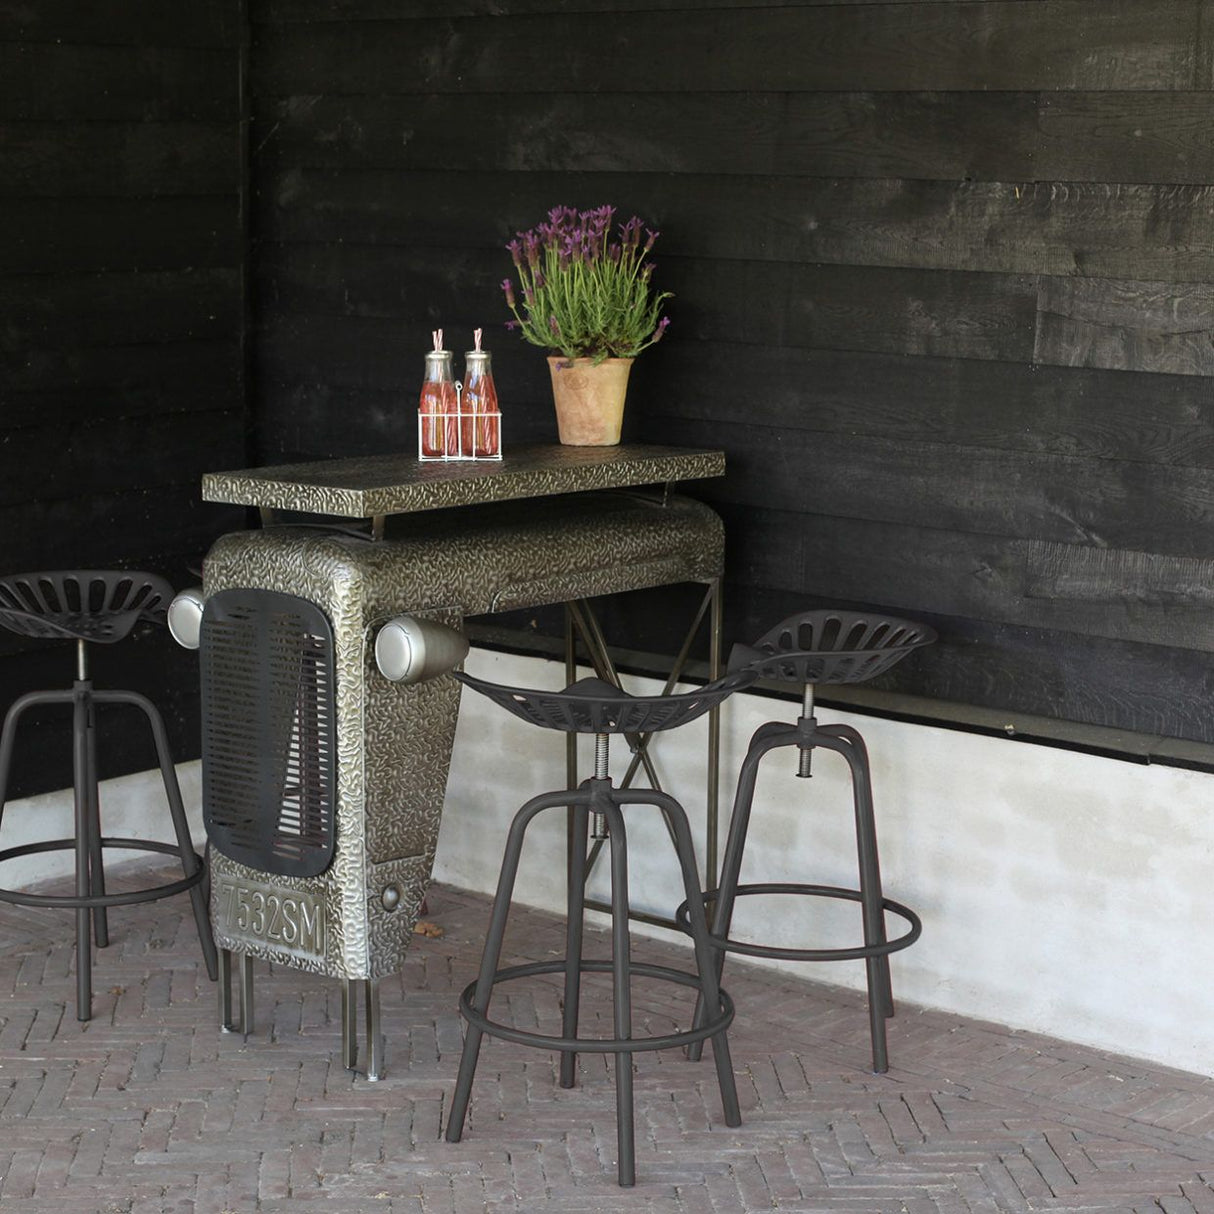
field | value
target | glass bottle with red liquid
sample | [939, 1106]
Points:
[438, 429]
[480, 417]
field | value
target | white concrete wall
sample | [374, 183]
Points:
[1060, 893]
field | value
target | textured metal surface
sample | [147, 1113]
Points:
[268, 756]
[394, 742]
[398, 484]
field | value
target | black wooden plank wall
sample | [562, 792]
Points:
[121, 326]
[943, 276]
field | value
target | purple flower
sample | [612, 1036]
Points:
[514, 324]
[660, 331]
[516, 253]
[652, 237]
[556, 329]
[508, 288]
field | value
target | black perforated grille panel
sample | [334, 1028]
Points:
[268, 751]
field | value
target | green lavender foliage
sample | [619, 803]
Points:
[583, 293]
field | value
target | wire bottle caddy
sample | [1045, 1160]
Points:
[458, 421]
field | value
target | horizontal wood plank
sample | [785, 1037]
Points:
[118, 159]
[108, 454]
[289, 12]
[1004, 45]
[1145, 326]
[55, 82]
[765, 303]
[1065, 228]
[59, 311]
[203, 23]
[75, 235]
[1038, 410]
[1148, 138]
[121, 373]
[122, 529]
[1127, 596]
[1108, 503]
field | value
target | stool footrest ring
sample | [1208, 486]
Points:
[79, 901]
[860, 952]
[595, 1045]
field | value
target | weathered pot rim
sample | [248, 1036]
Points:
[560, 362]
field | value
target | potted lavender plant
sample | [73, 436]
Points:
[587, 298]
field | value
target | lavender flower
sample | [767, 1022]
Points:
[586, 292]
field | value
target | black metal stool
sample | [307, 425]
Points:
[593, 706]
[101, 606]
[812, 648]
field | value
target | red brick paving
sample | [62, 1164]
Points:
[148, 1108]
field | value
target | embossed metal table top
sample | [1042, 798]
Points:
[377, 485]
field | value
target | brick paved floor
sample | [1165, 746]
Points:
[148, 1108]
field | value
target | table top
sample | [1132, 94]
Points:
[377, 485]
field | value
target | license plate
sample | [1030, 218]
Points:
[284, 918]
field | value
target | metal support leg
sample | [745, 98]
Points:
[766, 737]
[621, 976]
[246, 994]
[226, 1024]
[172, 792]
[84, 850]
[707, 959]
[713, 785]
[847, 741]
[374, 1030]
[101, 925]
[575, 915]
[349, 1024]
[493, 948]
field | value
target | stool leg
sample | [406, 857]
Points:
[493, 949]
[766, 737]
[84, 954]
[847, 741]
[101, 923]
[172, 791]
[621, 977]
[579, 818]
[707, 958]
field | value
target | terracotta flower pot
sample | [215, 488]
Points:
[589, 400]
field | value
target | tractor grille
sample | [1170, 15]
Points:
[268, 750]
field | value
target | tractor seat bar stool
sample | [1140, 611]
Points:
[820, 647]
[102, 607]
[595, 707]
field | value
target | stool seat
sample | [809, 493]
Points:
[101, 606]
[98, 605]
[593, 706]
[831, 647]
